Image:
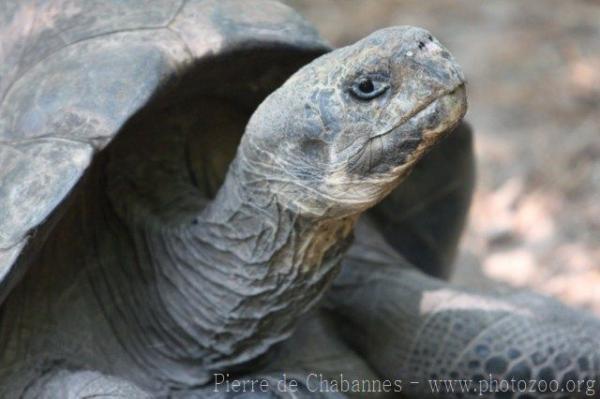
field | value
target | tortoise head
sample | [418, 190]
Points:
[343, 131]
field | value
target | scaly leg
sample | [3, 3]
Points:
[413, 327]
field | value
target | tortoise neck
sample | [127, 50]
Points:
[226, 286]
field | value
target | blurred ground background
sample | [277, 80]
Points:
[533, 69]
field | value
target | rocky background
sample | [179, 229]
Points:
[533, 70]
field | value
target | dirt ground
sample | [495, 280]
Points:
[533, 70]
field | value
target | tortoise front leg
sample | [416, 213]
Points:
[415, 328]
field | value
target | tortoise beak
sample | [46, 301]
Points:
[444, 112]
[440, 113]
[400, 147]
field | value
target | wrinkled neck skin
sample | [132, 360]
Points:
[221, 284]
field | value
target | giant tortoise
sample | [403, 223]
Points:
[179, 185]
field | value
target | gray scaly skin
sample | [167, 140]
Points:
[412, 327]
[161, 289]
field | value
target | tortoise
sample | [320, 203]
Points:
[180, 183]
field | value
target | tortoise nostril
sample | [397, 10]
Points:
[421, 45]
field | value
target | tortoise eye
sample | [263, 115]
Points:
[367, 88]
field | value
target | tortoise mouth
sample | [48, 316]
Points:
[455, 104]
[392, 152]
